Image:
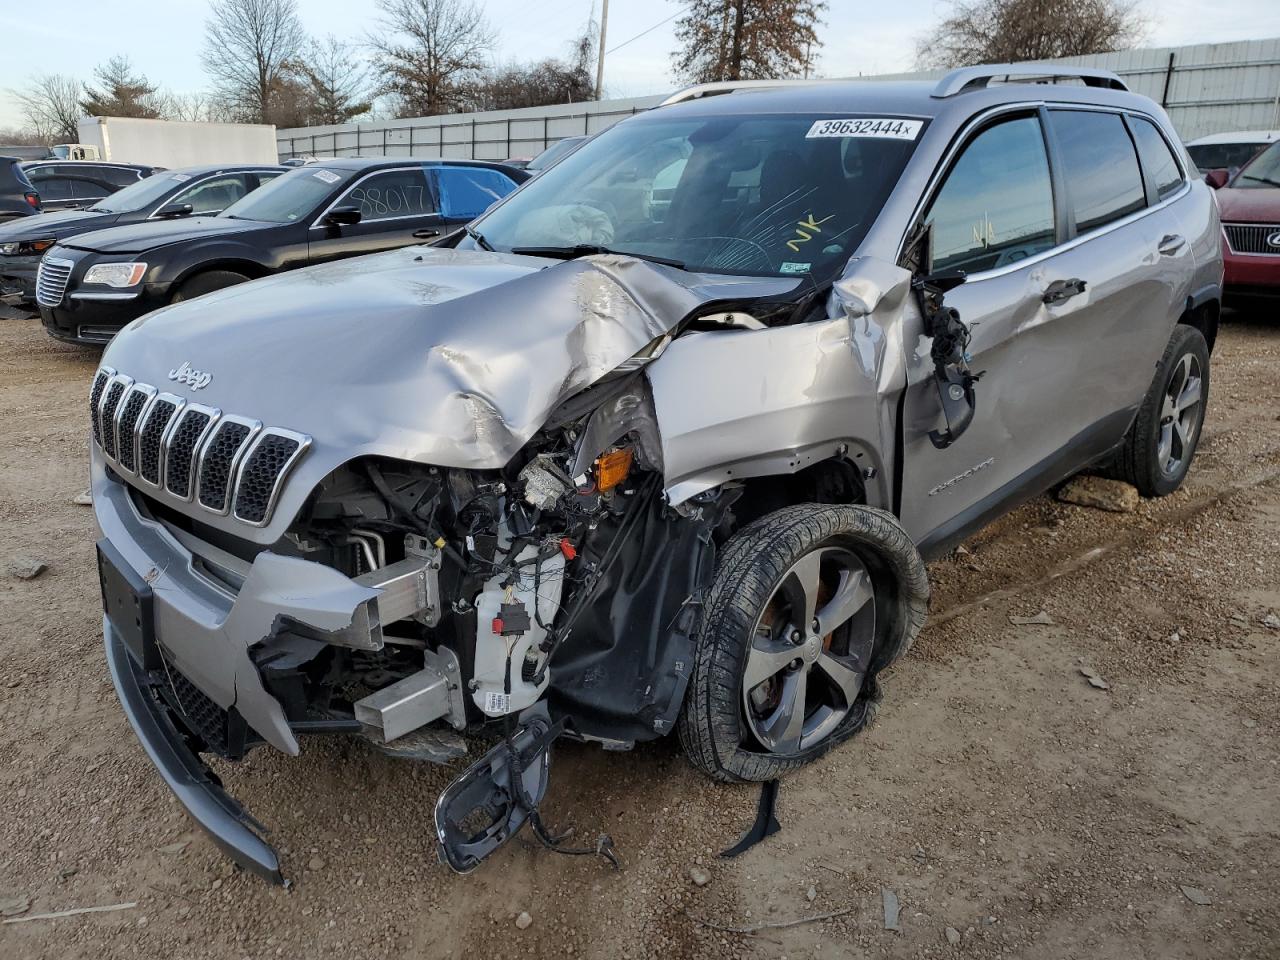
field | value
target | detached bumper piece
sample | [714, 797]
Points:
[197, 787]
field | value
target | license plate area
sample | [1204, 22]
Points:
[127, 603]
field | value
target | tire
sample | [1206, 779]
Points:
[1142, 460]
[207, 282]
[724, 724]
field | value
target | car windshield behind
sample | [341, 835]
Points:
[141, 194]
[766, 195]
[1229, 156]
[288, 198]
[1264, 171]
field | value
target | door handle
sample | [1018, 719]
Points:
[1062, 290]
[426, 233]
[1171, 244]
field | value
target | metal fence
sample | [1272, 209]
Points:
[1207, 88]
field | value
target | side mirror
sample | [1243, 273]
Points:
[175, 210]
[1217, 178]
[342, 217]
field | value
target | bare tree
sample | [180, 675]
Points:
[120, 93]
[21, 137]
[548, 81]
[747, 39]
[51, 106]
[248, 46]
[1009, 31]
[336, 81]
[430, 54]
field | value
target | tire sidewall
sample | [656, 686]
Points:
[1185, 340]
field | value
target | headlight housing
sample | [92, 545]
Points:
[116, 274]
[19, 248]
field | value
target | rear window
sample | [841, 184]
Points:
[1156, 157]
[1099, 165]
[467, 192]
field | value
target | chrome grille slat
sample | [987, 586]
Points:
[51, 280]
[191, 452]
[1252, 238]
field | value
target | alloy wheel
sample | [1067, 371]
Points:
[809, 652]
[1180, 415]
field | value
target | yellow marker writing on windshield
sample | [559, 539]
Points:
[802, 231]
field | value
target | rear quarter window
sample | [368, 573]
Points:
[1100, 167]
[1156, 156]
[467, 192]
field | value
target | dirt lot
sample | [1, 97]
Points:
[1012, 808]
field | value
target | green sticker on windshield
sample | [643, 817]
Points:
[792, 267]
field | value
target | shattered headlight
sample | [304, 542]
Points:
[116, 274]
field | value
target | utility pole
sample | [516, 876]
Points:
[604, 26]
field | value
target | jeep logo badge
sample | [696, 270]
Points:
[195, 379]
[1273, 240]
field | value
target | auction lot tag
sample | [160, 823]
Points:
[886, 127]
[325, 175]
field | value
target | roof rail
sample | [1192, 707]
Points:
[975, 78]
[699, 90]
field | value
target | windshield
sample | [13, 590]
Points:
[557, 151]
[1232, 156]
[141, 194]
[1264, 171]
[765, 195]
[289, 197]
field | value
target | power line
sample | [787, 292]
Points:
[643, 32]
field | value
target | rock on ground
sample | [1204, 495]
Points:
[1100, 493]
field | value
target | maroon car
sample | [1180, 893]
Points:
[1250, 206]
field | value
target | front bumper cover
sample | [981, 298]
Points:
[196, 786]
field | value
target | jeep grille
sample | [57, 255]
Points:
[190, 452]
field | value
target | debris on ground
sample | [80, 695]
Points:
[1094, 678]
[811, 894]
[953, 936]
[1196, 896]
[1271, 622]
[890, 901]
[12, 906]
[84, 498]
[25, 568]
[524, 921]
[699, 876]
[1101, 494]
[74, 911]
[772, 924]
[1040, 619]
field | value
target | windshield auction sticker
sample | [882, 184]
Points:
[326, 175]
[885, 127]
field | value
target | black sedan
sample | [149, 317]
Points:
[91, 286]
[164, 196]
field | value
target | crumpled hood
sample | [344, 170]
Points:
[448, 357]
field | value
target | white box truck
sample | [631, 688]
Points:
[178, 143]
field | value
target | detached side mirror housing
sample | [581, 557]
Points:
[342, 217]
[175, 210]
[1217, 178]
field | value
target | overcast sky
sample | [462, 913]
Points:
[164, 37]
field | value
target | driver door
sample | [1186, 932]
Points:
[397, 208]
[994, 210]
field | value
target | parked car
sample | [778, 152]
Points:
[554, 153]
[611, 469]
[93, 284]
[69, 185]
[18, 198]
[1250, 208]
[1229, 151]
[168, 196]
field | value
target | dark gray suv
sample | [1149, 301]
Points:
[656, 444]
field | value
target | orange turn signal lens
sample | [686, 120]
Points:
[38, 245]
[612, 468]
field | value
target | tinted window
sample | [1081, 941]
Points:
[1156, 157]
[295, 196]
[54, 188]
[393, 193]
[211, 196]
[117, 176]
[467, 192]
[996, 206]
[142, 194]
[1099, 166]
[1232, 156]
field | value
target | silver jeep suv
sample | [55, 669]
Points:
[657, 444]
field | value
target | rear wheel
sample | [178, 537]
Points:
[808, 605]
[207, 282]
[1158, 449]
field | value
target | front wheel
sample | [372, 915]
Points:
[207, 282]
[808, 605]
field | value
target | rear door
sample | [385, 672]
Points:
[397, 208]
[467, 192]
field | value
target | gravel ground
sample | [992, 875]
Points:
[1012, 808]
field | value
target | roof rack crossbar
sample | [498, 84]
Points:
[975, 78]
